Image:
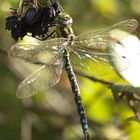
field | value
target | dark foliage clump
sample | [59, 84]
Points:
[36, 20]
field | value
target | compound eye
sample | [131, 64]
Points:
[62, 23]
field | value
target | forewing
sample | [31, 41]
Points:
[127, 25]
[39, 81]
[98, 40]
[35, 51]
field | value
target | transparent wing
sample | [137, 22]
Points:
[91, 49]
[22, 68]
[98, 40]
[127, 25]
[39, 81]
[42, 61]
[35, 51]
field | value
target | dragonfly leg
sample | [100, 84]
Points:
[50, 35]
[77, 96]
[47, 36]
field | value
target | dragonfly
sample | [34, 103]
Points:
[53, 54]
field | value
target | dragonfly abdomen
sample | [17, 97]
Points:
[70, 72]
[76, 92]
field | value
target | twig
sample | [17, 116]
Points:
[127, 91]
[34, 2]
[120, 88]
[109, 84]
[21, 4]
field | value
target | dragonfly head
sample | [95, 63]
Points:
[63, 20]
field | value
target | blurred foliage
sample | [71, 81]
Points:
[53, 115]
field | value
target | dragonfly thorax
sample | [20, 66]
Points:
[63, 24]
[63, 20]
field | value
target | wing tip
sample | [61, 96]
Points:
[134, 20]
